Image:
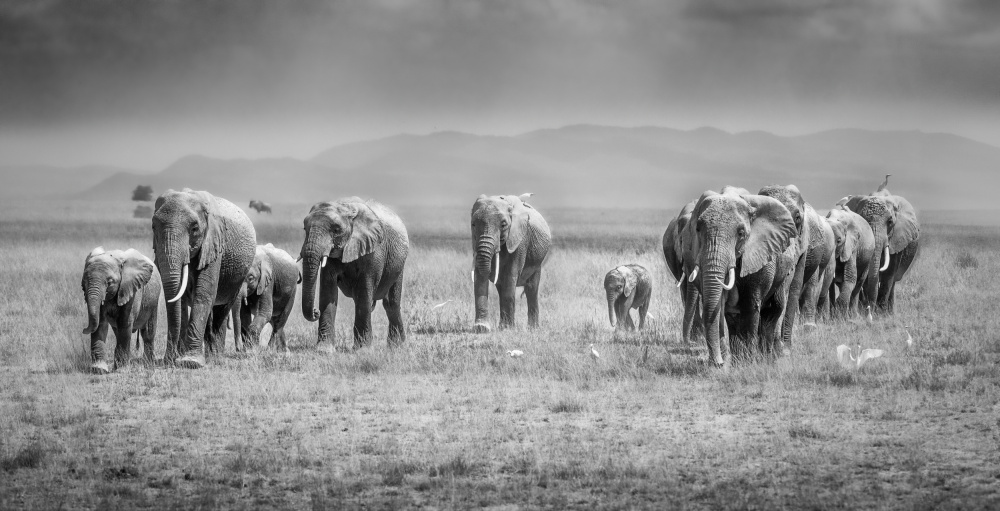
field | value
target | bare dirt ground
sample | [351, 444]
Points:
[449, 421]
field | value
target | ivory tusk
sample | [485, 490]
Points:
[496, 264]
[680, 280]
[184, 283]
[885, 257]
[730, 280]
[694, 273]
[323, 264]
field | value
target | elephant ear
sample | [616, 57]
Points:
[851, 202]
[366, 233]
[266, 272]
[213, 244]
[771, 229]
[136, 272]
[630, 278]
[672, 248]
[850, 244]
[518, 228]
[906, 230]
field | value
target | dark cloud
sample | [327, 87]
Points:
[354, 68]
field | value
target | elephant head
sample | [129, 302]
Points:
[260, 278]
[731, 231]
[187, 227]
[344, 230]
[115, 275]
[619, 282]
[846, 233]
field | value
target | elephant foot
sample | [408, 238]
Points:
[325, 348]
[482, 328]
[191, 361]
[101, 367]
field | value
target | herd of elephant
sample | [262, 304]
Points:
[747, 265]
[746, 262]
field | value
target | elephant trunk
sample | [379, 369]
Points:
[315, 253]
[715, 271]
[172, 257]
[96, 292]
[487, 268]
[612, 317]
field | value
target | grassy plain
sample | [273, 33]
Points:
[449, 421]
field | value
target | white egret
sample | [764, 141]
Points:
[870, 318]
[593, 353]
[847, 360]
[524, 196]
[515, 353]
[909, 338]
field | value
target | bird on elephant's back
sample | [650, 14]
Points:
[359, 247]
[204, 246]
[510, 243]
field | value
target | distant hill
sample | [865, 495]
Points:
[40, 181]
[597, 166]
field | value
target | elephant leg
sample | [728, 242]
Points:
[98, 338]
[176, 325]
[279, 323]
[220, 314]
[329, 294]
[809, 297]
[123, 341]
[508, 300]
[363, 316]
[206, 285]
[392, 304]
[531, 294]
[627, 314]
[771, 326]
[148, 333]
[209, 332]
[642, 313]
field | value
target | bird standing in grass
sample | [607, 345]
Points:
[593, 353]
[515, 353]
[870, 318]
[909, 338]
[847, 360]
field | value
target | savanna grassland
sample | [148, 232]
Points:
[447, 420]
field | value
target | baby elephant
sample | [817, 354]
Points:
[268, 296]
[122, 289]
[628, 287]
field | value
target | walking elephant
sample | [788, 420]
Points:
[204, 246]
[855, 253]
[122, 289]
[745, 260]
[628, 287]
[268, 296]
[814, 253]
[677, 252]
[510, 241]
[360, 248]
[894, 222]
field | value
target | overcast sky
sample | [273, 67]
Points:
[139, 84]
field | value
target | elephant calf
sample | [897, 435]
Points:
[121, 289]
[628, 287]
[268, 296]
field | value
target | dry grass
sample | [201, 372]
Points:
[448, 420]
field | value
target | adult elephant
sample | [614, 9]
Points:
[855, 253]
[204, 246]
[744, 260]
[681, 261]
[510, 241]
[814, 253]
[360, 248]
[894, 223]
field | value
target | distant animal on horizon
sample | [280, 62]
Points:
[121, 289]
[260, 206]
[268, 296]
[628, 287]
[358, 247]
[510, 241]
[218, 239]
